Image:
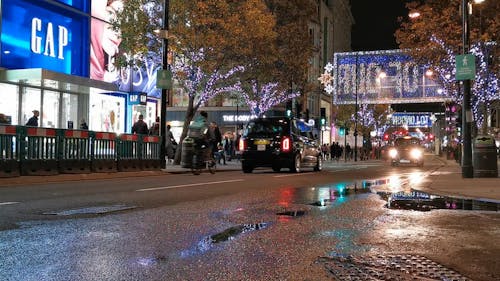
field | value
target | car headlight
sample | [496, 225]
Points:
[393, 153]
[416, 153]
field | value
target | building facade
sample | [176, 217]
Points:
[56, 56]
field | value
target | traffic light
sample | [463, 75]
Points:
[322, 121]
[346, 131]
[288, 113]
[386, 137]
[341, 131]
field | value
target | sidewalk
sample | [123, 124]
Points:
[446, 180]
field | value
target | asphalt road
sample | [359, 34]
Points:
[235, 226]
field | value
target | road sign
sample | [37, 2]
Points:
[465, 67]
[164, 79]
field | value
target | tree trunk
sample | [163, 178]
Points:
[191, 111]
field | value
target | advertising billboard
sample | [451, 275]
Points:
[37, 34]
[105, 45]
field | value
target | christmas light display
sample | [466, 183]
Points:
[202, 86]
[260, 98]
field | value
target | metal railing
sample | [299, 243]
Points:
[45, 151]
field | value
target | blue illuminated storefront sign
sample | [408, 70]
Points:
[82, 5]
[412, 120]
[37, 34]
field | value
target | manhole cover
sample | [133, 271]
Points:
[388, 267]
[297, 213]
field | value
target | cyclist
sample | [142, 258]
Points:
[203, 136]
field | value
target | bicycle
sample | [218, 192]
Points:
[202, 158]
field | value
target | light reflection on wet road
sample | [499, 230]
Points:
[272, 235]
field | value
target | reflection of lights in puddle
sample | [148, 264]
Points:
[395, 182]
[207, 242]
[415, 178]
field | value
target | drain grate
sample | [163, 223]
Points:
[297, 213]
[388, 267]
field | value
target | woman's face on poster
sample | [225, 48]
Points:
[110, 38]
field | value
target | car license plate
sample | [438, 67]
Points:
[404, 161]
[261, 147]
[258, 142]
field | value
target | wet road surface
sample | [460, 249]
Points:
[341, 230]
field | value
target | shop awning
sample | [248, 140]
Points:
[47, 79]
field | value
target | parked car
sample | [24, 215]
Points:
[279, 142]
[407, 150]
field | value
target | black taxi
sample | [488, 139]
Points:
[279, 142]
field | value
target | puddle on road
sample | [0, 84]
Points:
[229, 234]
[96, 210]
[421, 201]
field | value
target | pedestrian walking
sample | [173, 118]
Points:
[170, 144]
[140, 127]
[155, 127]
[33, 121]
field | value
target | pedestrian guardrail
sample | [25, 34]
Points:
[150, 153]
[75, 151]
[128, 153]
[9, 151]
[103, 152]
[47, 151]
[39, 151]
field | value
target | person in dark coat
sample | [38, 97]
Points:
[140, 127]
[33, 121]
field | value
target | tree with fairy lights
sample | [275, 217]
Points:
[202, 86]
[261, 98]
[435, 37]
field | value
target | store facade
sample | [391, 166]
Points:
[56, 57]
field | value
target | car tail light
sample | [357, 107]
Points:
[286, 144]
[242, 145]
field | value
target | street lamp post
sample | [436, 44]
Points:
[467, 170]
[164, 92]
[356, 114]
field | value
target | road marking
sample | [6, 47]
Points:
[292, 175]
[186, 185]
[8, 203]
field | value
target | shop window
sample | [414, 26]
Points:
[107, 112]
[50, 112]
[31, 100]
[9, 102]
[70, 110]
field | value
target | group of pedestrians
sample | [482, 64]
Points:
[337, 152]
[140, 127]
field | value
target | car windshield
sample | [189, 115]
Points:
[407, 142]
[267, 128]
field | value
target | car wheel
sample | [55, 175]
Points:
[296, 164]
[276, 168]
[247, 168]
[319, 164]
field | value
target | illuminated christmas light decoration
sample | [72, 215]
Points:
[261, 98]
[202, 86]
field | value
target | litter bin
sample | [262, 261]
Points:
[187, 152]
[484, 157]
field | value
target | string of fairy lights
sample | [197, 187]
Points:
[358, 75]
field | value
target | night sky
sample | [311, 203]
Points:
[375, 24]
